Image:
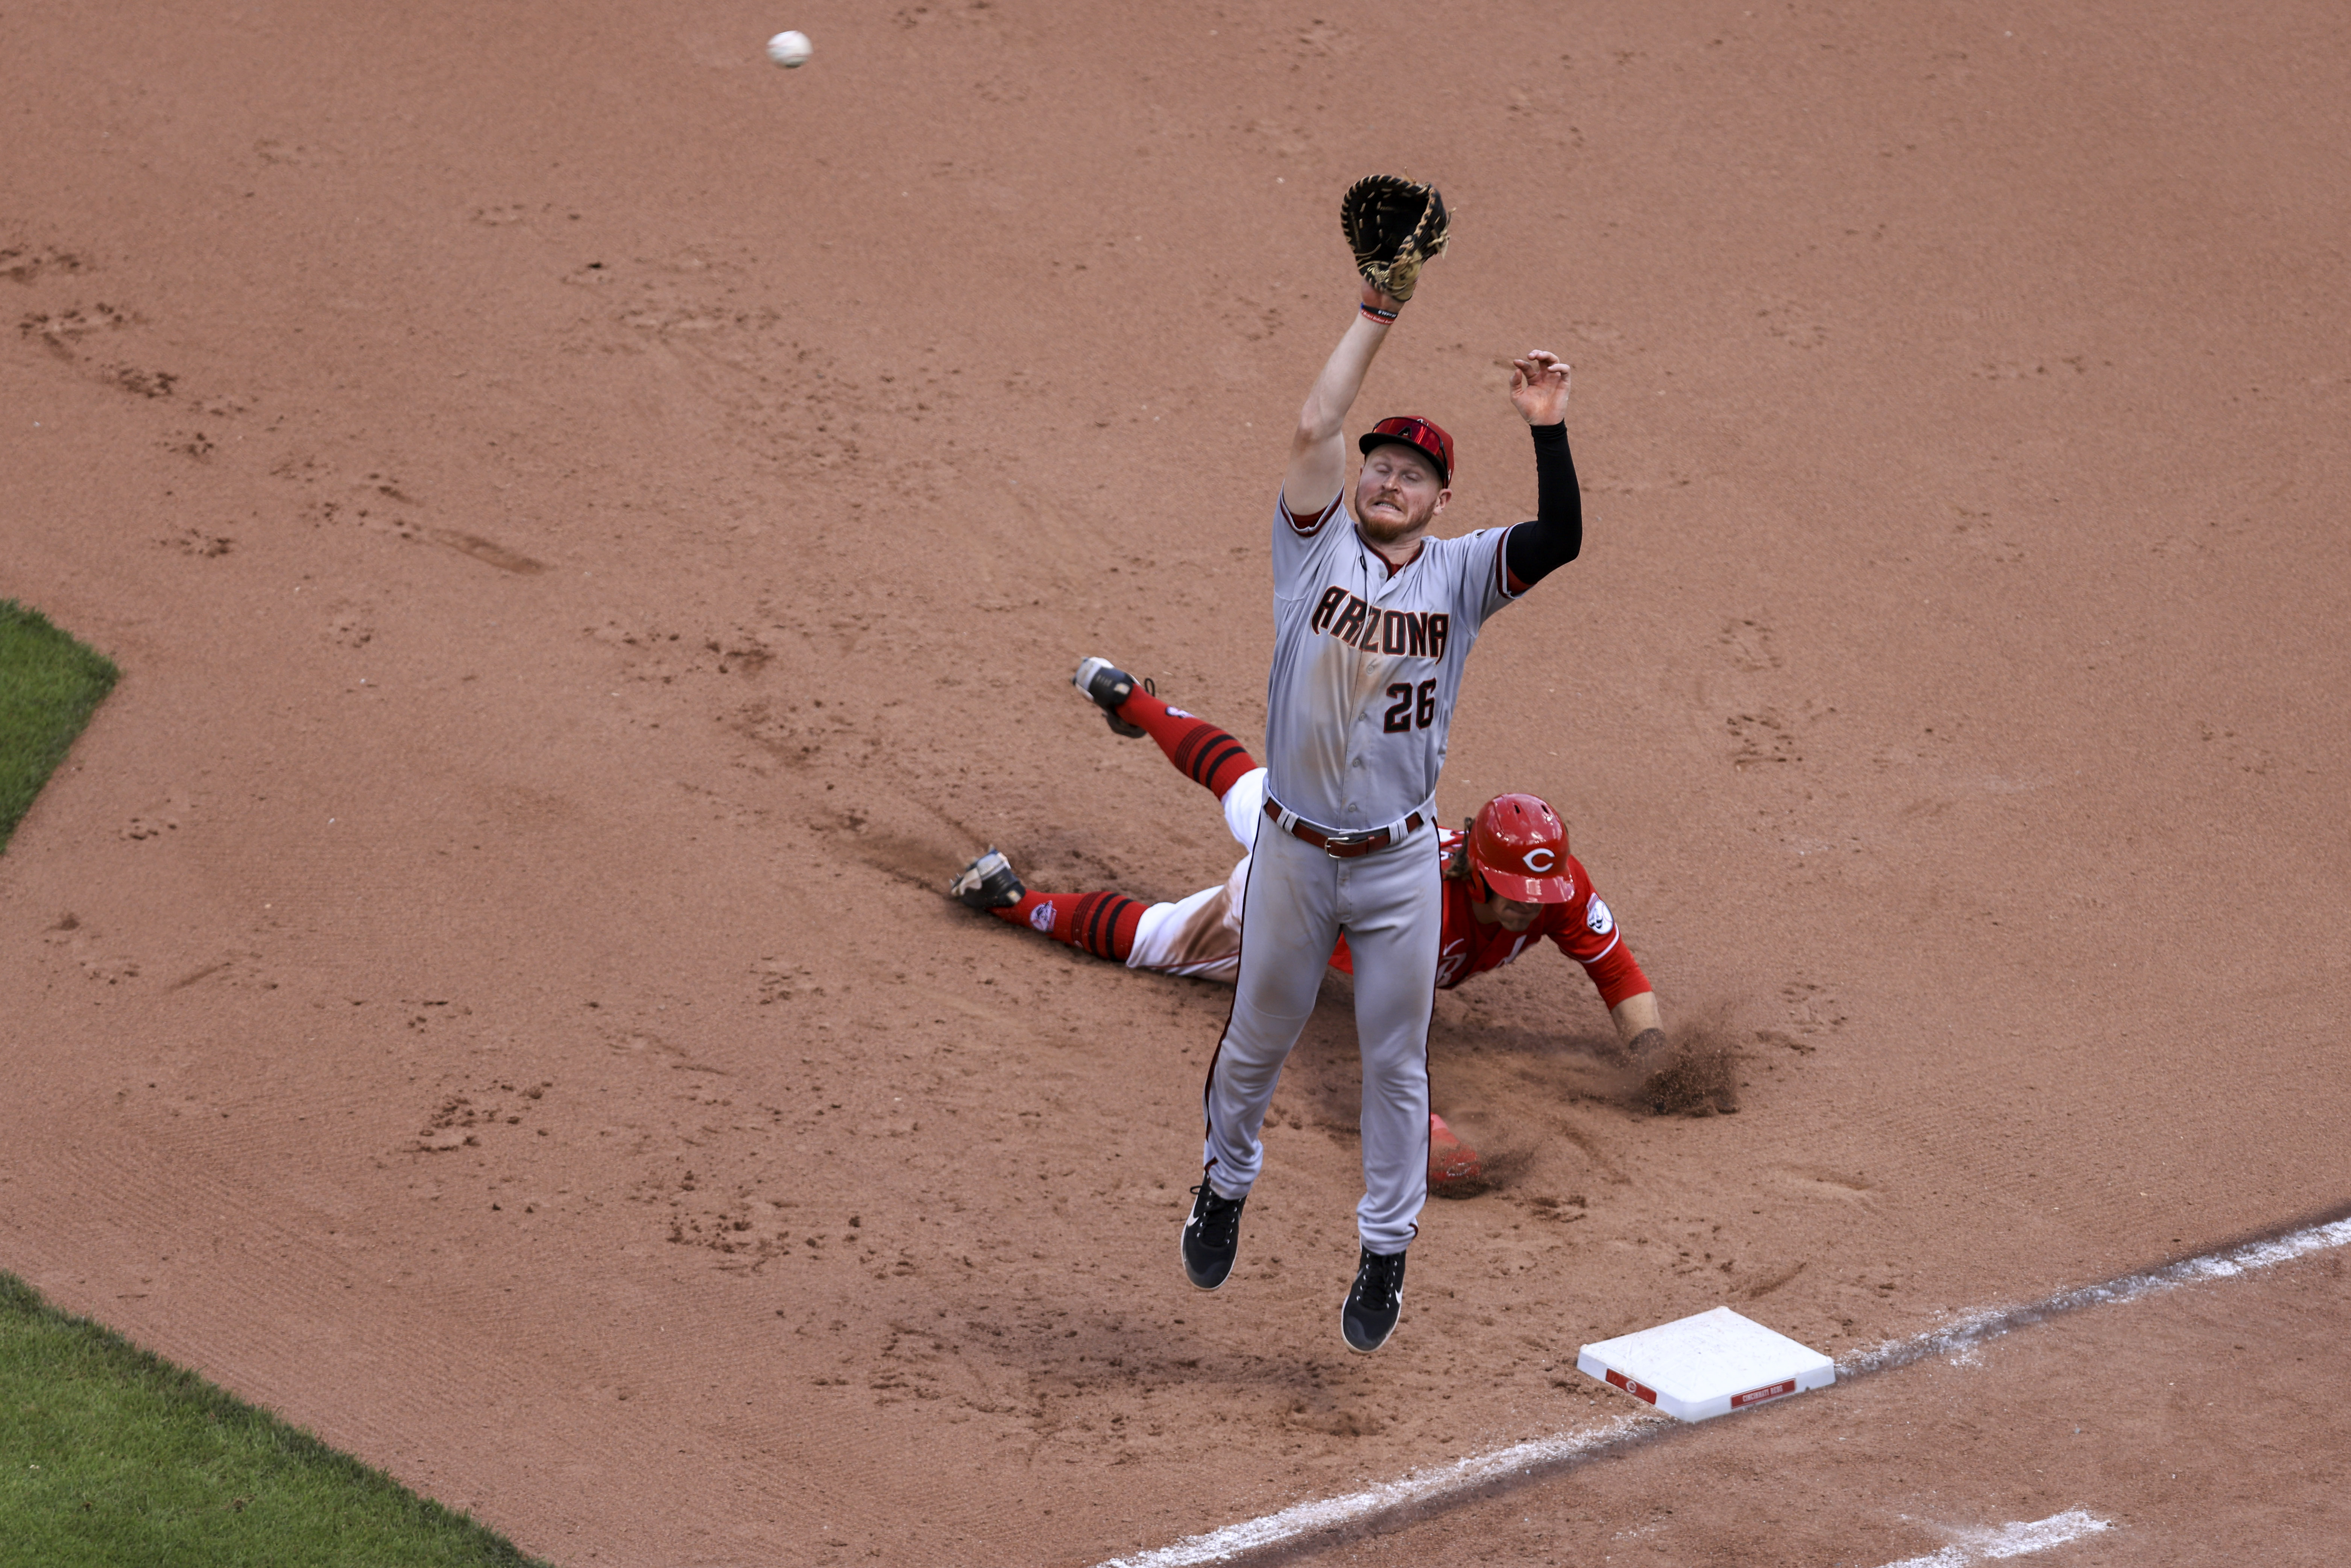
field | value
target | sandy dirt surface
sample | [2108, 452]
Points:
[596, 529]
[2202, 1427]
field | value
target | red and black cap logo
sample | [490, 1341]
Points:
[1419, 435]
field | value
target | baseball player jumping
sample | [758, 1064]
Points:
[1509, 884]
[1373, 618]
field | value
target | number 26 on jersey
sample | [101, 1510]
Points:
[1415, 708]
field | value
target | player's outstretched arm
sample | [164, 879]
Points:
[1538, 391]
[1636, 1017]
[1317, 448]
[1594, 940]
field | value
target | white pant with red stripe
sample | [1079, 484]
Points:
[1200, 936]
[1299, 899]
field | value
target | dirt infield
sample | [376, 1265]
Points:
[2199, 1426]
[596, 529]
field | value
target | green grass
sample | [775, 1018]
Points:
[49, 684]
[111, 1456]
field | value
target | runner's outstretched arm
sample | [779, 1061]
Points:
[1636, 1015]
[1598, 942]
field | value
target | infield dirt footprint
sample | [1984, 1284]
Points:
[1761, 738]
[159, 818]
[1763, 733]
[89, 952]
[198, 544]
[62, 332]
[1750, 645]
[380, 502]
[24, 262]
[462, 1119]
[1813, 1013]
[70, 332]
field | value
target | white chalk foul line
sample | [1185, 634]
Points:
[2010, 1541]
[1423, 1488]
[1972, 1329]
[1418, 1487]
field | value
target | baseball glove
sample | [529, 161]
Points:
[1395, 227]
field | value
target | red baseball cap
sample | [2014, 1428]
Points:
[1411, 430]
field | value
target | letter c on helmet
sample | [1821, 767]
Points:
[1520, 846]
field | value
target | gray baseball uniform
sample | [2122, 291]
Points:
[1366, 663]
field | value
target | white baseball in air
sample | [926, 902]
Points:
[789, 49]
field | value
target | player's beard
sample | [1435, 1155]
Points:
[1385, 530]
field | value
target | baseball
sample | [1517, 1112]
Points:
[789, 49]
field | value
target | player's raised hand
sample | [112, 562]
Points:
[1539, 384]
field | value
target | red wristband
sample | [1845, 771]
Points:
[1373, 313]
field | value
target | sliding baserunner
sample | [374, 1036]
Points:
[1509, 884]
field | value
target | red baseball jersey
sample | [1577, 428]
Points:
[1581, 927]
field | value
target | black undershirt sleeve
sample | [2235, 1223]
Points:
[1556, 535]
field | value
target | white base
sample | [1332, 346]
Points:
[1707, 1365]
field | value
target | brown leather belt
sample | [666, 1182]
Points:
[1343, 846]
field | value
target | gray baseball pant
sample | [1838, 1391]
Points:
[1297, 900]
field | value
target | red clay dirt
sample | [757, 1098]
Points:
[597, 529]
[2200, 1428]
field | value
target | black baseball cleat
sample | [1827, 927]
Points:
[1212, 1237]
[1375, 1303]
[987, 883]
[1108, 687]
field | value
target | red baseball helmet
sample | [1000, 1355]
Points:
[1520, 846]
[1422, 435]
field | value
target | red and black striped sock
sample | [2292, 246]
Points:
[1101, 923]
[1206, 755]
